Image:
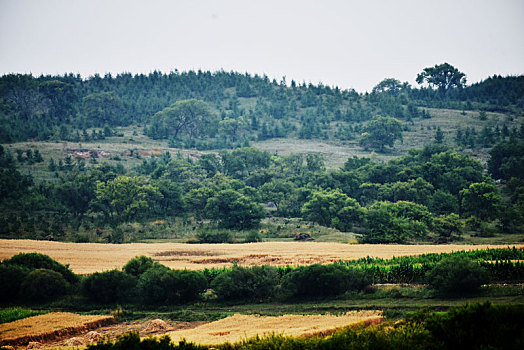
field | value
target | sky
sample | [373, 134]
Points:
[344, 43]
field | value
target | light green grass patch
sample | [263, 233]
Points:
[16, 313]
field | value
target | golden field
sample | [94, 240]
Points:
[85, 258]
[49, 326]
[238, 327]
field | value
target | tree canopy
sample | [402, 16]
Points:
[443, 76]
[381, 132]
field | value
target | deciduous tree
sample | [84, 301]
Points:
[443, 76]
[380, 132]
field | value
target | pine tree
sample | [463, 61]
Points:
[52, 165]
[439, 136]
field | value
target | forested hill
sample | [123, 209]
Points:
[238, 107]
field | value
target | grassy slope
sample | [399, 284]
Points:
[421, 132]
[334, 152]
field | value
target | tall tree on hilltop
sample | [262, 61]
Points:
[444, 76]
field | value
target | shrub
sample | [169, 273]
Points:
[322, 280]
[447, 225]
[11, 277]
[109, 286]
[132, 340]
[138, 265]
[241, 283]
[252, 237]
[43, 285]
[456, 275]
[163, 285]
[188, 285]
[214, 236]
[478, 326]
[41, 261]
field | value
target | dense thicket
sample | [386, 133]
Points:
[34, 278]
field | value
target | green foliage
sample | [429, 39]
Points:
[40, 261]
[447, 225]
[389, 86]
[507, 160]
[332, 208]
[481, 200]
[380, 132]
[109, 286]
[477, 326]
[11, 278]
[138, 265]
[442, 202]
[322, 280]
[389, 222]
[17, 313]
[101, 108]
[161, 285]
[13, 184]
[417, 190]
[252, 237]
[231, 209]
[244, 161]
[457, 275]
[133, 341]
[439, 136]
[42, 285]
[125, 198]
[444, 76]
[189, 117]
[211, 235]
[246, 283]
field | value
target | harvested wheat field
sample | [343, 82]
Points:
[87, 258]
[238, 327]
[48, 327]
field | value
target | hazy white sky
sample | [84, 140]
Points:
[350, 44]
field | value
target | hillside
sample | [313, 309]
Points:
[127, 158]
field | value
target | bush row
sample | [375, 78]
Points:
[34, 277]
[37, 278]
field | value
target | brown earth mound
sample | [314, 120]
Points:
[156, 326]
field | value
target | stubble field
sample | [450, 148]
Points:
[238, 327]
[85, 258]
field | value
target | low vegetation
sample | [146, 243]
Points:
[16, 313]
[472, 326]
[144, 281]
